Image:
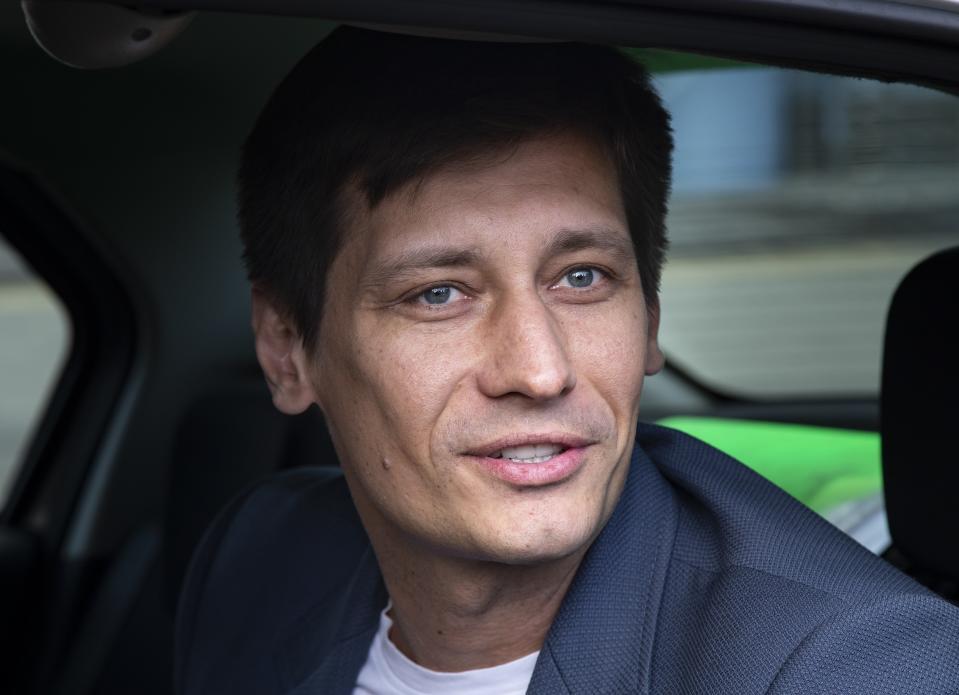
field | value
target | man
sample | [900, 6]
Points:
[455, 251]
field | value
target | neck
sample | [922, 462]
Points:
[451, 614]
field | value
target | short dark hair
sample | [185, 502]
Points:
[374, 111]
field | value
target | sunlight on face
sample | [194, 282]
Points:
[483, 350]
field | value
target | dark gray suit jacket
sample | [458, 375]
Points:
[706, 580]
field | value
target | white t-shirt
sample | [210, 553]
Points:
[388, 671]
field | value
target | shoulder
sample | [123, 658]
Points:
[779, 596]
[732, 517]
[264, 561]
[900, 644]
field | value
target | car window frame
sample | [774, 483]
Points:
[70, 430]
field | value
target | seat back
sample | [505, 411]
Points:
[228, 438]
[919, 421]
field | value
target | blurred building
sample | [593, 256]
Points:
[800, 200]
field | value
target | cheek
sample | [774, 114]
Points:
[400, 388]
[608, 349]
[408, 378]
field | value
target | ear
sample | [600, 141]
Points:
[655, 360]
[282, 357]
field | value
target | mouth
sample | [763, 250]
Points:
[533, 460]
[529, 453]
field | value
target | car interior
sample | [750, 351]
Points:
[816, 196]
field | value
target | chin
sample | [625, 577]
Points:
[540, 543]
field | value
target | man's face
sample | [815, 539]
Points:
[483, 349]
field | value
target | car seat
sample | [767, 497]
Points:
[919, 421]
[228, 437]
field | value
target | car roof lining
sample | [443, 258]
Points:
[927, 20]
[889, 41]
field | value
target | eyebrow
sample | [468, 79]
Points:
[413, 260]
[602, 238]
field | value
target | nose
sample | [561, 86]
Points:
[527, 352]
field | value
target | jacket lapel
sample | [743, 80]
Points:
[325, 650]
[601, 640]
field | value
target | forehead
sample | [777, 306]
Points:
[514, 199]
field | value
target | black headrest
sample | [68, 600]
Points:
[919, 415]
[228, 438]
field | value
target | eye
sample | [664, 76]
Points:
[437, 296]
[580, 278]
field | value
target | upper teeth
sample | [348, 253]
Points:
[529, 453]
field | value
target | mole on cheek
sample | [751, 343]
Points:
[386, 464]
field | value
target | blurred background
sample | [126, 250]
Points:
[800, 200]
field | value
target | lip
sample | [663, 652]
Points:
[557, 469]
[568, 441]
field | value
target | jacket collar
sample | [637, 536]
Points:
[600, 641]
